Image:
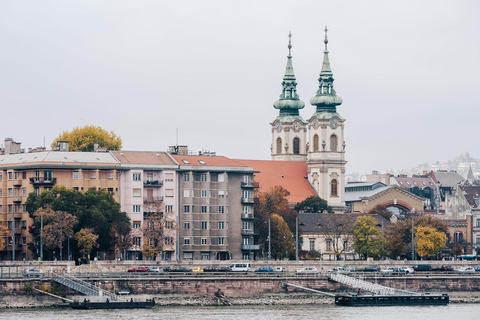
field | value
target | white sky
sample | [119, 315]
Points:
[407, 71]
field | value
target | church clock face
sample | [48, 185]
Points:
[334, 123]
[279, 126]
[315, 123]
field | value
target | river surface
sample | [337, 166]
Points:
[317, 312]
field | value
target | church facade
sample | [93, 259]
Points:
[319, 141]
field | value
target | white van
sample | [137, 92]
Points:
[241, 267]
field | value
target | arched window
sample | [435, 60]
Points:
[333, 188]
[296, 146]
[333, 142]
[315, 143]
[279, 145]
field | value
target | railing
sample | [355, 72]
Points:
[368, 286]
[17, 199]
[38, 180]
[249, 184]
[153, 183]
[248, 200]
[83, 286]
[250, 232]
[248, 216]
[17, 182]
[250, 247]
[148, 200]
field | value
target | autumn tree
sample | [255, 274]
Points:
[84, 139]
[3, 232]
[123, 239]
[57, 226]
[313, 204]
[281, 237]
[367, 238]
[87, 240]
[336, 229]
[381, 211]
[429, 241]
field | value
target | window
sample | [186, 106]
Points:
[136, 208]
[37, 191]
[136, 225]
[1, 208]
[279, 145]
[137, 192]
[333, 187]
[201, 162]
[203, 177]
[221, 209]
[10, 208]
[9, 176]
[247, 194]
[75, 175]
[1, 176]
[246, 241]
[24, 191]
[15, 175]
[315, 143]
[188, 256]
[24, 224]
[312, 245]
[1, 193]
[204, 193]
[186, 193]
[10, 191]
[247, 225]
[137, 177]
[93, 175]
[186, 177]
[221, 241]
[205, 255]
[221, 177]
[329, 245]
[203, 241]
[169, 193]
[186, 209]
[186, 225]
[247, 210]
[458, 237]
[168, 208]
[478, 220]
[186, 241]
[168, 177]
[333, 142]
[204, 209]
[204, 225]
[185, 161]
[296, 146]
[221, 193]
[221, 225]
[345, 245]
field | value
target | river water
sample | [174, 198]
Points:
[323, 312]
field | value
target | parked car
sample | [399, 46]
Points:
[278, 269]
[32, 273]
[197, 269]
[372, 269]
[392, 271]
[264, 270]
[158, 269]
[407, 270]
[181, 269]
[241, 267]
[307, 270]
[223, 269]
[139, 269]
[466, 270]
[209, 269]
[477, 268]
[422, 267]
[338, 270]
[447, 268]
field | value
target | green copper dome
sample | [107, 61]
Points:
[326, 99]
[289, 102]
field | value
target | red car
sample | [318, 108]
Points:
[139, 269]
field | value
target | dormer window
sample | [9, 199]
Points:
[185, 161]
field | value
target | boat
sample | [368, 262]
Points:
[391, 300]
[87, 304]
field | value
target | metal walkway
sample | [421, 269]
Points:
[84, 287]
[368, 286]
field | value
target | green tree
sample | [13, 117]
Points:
[87, 240]
[381, 211]
[282, 238]
[84, 138]
[313, 204]
[57, 226]
[429, 241]
[367, 237]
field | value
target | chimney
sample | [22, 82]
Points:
[62, 146]
[12, 147]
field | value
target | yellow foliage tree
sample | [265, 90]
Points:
[3, 232]
[429, 241]
[84, 138]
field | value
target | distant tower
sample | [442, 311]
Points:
[326, 155]
[289, 130]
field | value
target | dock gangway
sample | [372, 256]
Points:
[84, 287]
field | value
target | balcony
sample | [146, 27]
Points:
[153, 183]
[17, 183]
[250, 247]
[249, 184]
[152, 200]
[248, 216]
[43, 181]
[17, 199]
[249, 200]
[250, 232]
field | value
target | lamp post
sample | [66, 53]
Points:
[41, 236]
[296, 238]
[13, 239]
[69, 236]
[269, 242]
[413, 238]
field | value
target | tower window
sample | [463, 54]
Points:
[333, 142]
[279, 145]
[315, 143]
[296, 146]
[333, 188]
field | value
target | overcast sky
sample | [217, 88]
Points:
[407, 71]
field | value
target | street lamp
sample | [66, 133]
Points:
[269, 242]
[413, 238]
[41, 235]
[13, 239]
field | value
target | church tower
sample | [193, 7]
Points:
[326, 154]
[289, 130]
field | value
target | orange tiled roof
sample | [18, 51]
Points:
[288, 174]
[207, 161]
[143, 157]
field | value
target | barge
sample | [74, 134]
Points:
[88, 305]
[391, 300]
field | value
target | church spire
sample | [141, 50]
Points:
[289, 102]
[326, 99]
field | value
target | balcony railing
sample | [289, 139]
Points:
[153, 183]
[250, 247]
[152, 200]
[248, 216]
[17, 183]
[43, 181]
[249, 200]
[250, 232]
[17, 199]
[249, 184]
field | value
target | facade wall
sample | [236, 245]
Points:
[392, 197]
[287, 132]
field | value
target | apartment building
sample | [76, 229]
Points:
[216, 218]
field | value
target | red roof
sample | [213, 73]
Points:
[291, 175]
[207, 161]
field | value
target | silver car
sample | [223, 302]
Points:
[32, 273]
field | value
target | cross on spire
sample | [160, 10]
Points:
[289, 43]
[326, 38]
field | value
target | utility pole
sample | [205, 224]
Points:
[13, 239]
[41, 237]
[413, 238]
[296, 238]
[269, 242]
